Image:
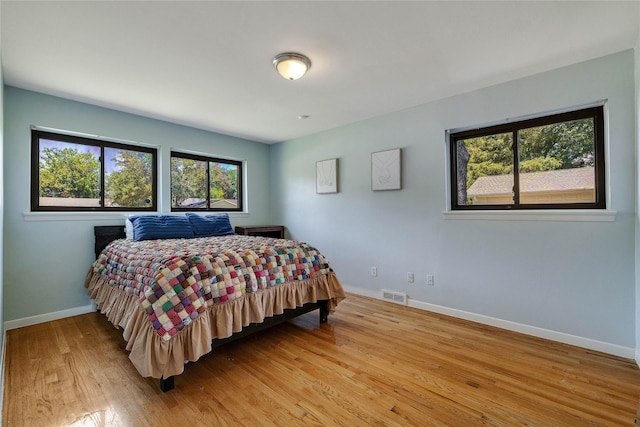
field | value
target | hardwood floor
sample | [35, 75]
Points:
[374, 363]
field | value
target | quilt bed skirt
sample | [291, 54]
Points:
[154, 357]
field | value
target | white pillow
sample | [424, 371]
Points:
[128, 229]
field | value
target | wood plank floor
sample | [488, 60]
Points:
[374, 363]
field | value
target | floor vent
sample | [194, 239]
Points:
[397, 297]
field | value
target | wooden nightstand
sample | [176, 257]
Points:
[276, 231]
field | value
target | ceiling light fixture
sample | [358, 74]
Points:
[291, 65]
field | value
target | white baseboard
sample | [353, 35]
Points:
[41, 318]
[609, 348]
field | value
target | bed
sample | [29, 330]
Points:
[178, 296]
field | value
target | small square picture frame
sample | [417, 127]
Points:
[386, 170]
[327, 176]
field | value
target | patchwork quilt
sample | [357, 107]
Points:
[176, 280]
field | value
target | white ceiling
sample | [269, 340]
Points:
[208, 64]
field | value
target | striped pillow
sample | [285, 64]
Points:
[210, 225]
[150, 227]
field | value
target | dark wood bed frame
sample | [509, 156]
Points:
[105, 234]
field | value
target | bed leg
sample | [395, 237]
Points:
[166, 384]
[324, 311]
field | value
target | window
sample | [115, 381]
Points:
[205, 183]
[552, 162]
[74, 173]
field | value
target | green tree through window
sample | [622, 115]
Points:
[130, 184]
[68, 173]
[205, 183]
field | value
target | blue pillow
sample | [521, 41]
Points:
[149, 227]
[210, 225]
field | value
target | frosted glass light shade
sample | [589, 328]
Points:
[291, 66]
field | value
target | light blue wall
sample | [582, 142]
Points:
[45, 262]
[575, 278]
[1, 192]
[1, 214]
[637, 299]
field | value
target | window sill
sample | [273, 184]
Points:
[102, 216]
[577, 215]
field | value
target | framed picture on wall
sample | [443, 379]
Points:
[386, 170]
[327, 176]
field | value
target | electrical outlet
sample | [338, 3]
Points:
[374, 271]
[430, 279]
[410, 277]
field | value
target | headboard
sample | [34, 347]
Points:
[104, 234]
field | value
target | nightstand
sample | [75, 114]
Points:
[276, 231]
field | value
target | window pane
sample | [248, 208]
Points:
[128, 178]
[188, 183]
[485, 170]
[223, 185]
[556, 163]
[69, 174]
